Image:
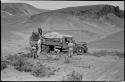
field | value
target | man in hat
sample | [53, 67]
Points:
[70, 46]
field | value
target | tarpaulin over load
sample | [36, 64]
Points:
[55, 35]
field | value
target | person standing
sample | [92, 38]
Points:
[39, 47]
[33, 51]
[39, 41]
[70, 46]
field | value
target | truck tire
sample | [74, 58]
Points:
[79, 50]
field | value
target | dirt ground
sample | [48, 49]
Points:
[93, 68]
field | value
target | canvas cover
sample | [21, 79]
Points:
[55, 35]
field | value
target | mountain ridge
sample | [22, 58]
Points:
[94, 9]
[91, 9]
[100, 20]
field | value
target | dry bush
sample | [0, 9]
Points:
[73, 76]
[23, 65]
[4, 64]
[12, 58]
[40, 70]
[20, 63]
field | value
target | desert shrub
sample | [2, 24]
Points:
[20, 63]
[40, 70]
[73, 76]
[12, 59]
[4, 64]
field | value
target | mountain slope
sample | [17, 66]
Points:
[113, 41]
[14, 13]
[19, 9]
[17, 29]
[90, 22]
[93, 10]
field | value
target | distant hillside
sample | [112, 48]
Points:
[113, 41]
[87, 26]
[13, 9]
[93, 10]
[88, 22]
[14, 13]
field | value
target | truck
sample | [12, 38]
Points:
[59, 41]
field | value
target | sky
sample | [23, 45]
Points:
[52, 5]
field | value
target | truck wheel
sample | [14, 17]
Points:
[79, 50]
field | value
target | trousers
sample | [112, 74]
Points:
[39, 49]
[70, 52]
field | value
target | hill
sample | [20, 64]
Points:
[13, 9]
[83, 27]
[13, 13]
[93, 10]
[113, 41]
[88, 22]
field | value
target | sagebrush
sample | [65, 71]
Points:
[20, 63]
[40, 70]
[73, 76]
[4, 64]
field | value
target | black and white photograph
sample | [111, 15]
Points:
[62, 40]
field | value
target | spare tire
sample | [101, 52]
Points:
[79, 50]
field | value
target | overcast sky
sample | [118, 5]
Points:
[51, 5]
